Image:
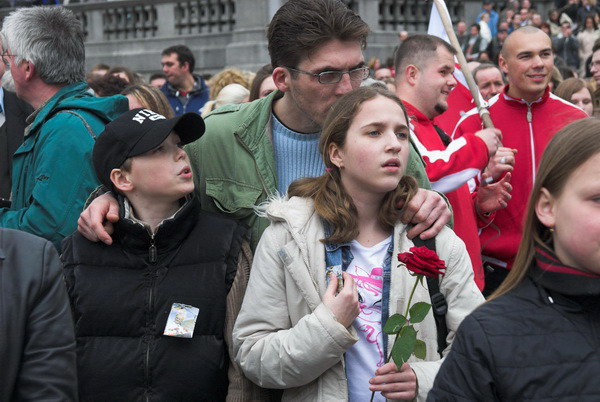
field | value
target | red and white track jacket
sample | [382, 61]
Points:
[526, 127]
[449, 169]
[460, 101]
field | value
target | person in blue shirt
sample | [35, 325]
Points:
[488, 7]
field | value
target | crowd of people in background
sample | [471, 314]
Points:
[572, 25]
[238, 235]
[227, 87]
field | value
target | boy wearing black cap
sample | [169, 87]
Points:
[154, 310]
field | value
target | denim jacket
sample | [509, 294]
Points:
[340, 255]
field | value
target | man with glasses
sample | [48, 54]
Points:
[252, 151]
[333, 77]
[52, 169]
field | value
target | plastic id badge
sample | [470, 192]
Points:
[181, 321]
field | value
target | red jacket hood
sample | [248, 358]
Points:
[417, 114]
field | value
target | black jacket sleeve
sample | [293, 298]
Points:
[467, 372]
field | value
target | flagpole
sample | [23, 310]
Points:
[483, 112]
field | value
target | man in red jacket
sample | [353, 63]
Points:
[424, 67]
[528, 115]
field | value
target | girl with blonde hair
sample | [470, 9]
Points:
[225, 77]
[232, 94]
[148, 97]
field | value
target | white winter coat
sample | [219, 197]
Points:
[285, 337]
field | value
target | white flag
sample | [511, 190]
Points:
[436, 27]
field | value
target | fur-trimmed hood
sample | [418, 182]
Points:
[296, 212]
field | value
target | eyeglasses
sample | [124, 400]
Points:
[5, 55]
[333, 77]
[595, 64]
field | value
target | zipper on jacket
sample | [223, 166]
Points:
[147, 368]
[152, 258]
[531, 141]
[152, 252]
[149, 325]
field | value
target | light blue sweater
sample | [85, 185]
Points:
[296, 155]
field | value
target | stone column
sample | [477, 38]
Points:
[369, 12]
[380, 43]
[95, 28]
[166, 17]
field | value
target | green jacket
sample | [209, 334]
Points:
[52, 170]
[234, 166]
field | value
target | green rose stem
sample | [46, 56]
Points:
[399, 333]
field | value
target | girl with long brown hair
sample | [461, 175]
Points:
[317, 336]
[537, 337]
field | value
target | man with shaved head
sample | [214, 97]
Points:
[528, 116]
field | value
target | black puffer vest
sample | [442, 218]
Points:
[122, 295]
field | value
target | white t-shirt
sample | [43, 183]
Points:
[367, 354]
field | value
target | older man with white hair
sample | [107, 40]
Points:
[52, 170]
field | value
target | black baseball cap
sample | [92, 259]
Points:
[138, 131]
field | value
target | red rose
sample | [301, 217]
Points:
[423, 261]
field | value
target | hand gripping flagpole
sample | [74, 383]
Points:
[483, 112]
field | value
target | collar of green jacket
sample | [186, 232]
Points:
[250, 116]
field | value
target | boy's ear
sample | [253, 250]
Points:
[120, 180]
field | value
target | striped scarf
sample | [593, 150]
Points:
[552, 274]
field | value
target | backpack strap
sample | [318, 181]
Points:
[438, 301]
[443, 136]
[85, 123]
